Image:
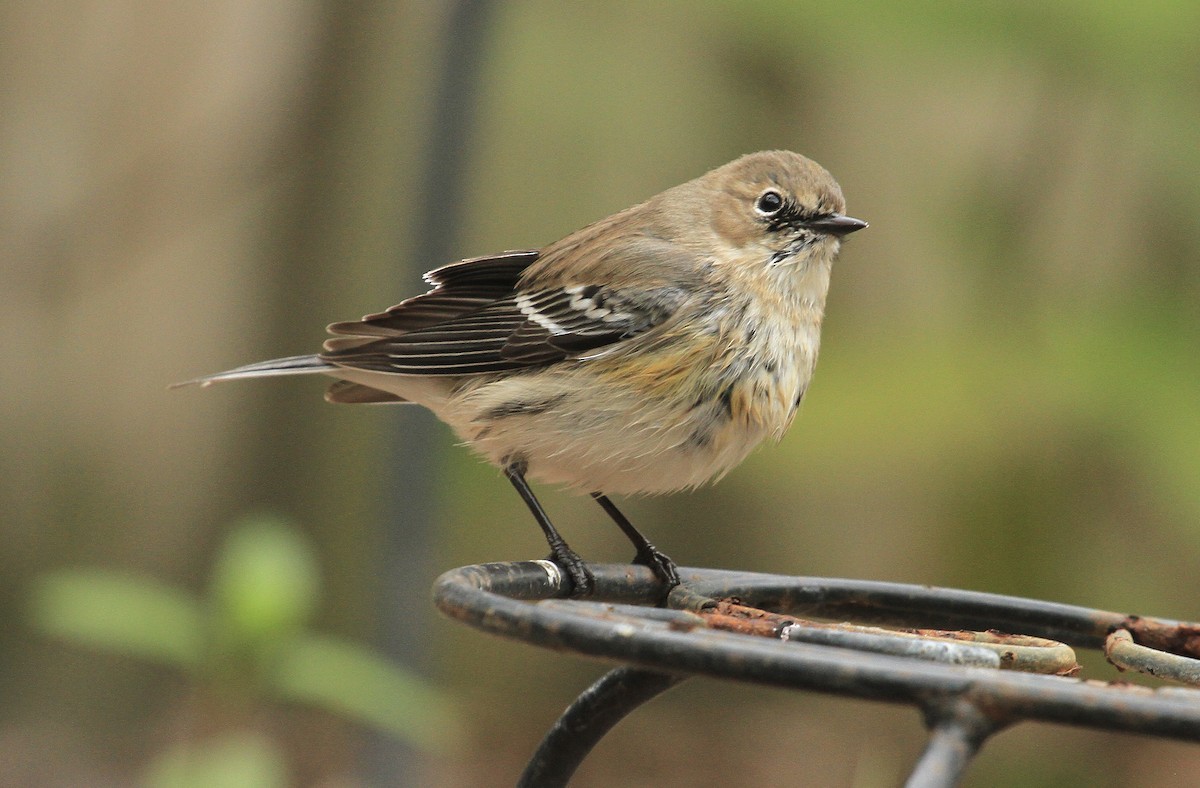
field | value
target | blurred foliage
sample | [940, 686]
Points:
[131, 615]
[264, 589]
[247, 640]
[238, 760]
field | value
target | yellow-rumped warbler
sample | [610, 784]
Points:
[645, 353]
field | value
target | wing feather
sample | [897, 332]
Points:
[458, 289]
[479, 319]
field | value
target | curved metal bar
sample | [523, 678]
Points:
[490, 597]
[588, 719]
[900, 604]
[1128, 655]
[698, 634]
[900, 645]
[984, 649]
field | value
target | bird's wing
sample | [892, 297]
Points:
[525, 328]
[458, 289]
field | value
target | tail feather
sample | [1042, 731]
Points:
[292, 365]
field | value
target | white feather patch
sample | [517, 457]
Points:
[530, 311]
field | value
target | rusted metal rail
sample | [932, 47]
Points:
[974, 663]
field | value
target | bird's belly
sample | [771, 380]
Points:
[602, 435]
[660, 450]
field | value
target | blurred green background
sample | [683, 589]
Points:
[1008, 397]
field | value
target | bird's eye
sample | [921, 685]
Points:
[769, 203]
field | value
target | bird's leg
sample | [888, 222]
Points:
[583, 584]
[647, 554]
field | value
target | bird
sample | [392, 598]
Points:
[646, 353]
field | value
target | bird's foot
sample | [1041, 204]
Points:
[583, 584]
[660, 564]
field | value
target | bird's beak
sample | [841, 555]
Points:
[836, 224]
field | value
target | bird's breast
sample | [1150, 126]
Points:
[768, 370]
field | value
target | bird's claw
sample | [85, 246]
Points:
[583, 584]
[660, 564]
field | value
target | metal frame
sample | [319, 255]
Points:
[954, 678]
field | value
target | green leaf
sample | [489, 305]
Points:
[341, 677]
[266, 581]
[121, 613]
[240, 760]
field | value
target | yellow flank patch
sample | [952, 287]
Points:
[662, 372]
[763, 401]
[743, 405]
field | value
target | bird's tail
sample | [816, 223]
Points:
[292, 365]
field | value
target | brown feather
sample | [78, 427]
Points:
[344, 392]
